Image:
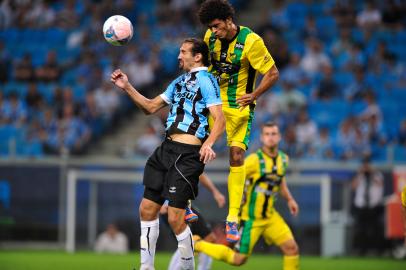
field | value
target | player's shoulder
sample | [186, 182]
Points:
[206, 78]
[284, 156]
[253, 157]
[251, 36]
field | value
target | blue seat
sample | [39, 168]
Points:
[5, 194]
[400, 153]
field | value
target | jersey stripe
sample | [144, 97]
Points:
[246, 237]
[233, 82]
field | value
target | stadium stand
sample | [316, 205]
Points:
[57, 48]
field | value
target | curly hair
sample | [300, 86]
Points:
[215, 9]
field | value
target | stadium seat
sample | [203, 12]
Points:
[5, 194]
[400, 153]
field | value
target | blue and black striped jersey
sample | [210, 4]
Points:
[190, 95]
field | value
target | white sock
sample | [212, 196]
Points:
[185, 247]
[175, 261]
[204, 262]
[149, 236]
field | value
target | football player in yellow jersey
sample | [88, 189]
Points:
[237, 54]
[265, 174]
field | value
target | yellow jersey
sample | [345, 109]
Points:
[264, 175]
[236, 63]
[404, 196]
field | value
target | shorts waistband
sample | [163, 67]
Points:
[184, 146]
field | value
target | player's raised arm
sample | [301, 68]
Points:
[148, 106]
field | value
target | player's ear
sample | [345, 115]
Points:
[198, 57]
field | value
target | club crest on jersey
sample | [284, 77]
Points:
[239, 45]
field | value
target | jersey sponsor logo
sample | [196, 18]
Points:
[187, 94]
[172, 189]
[267, 58]
[259, 189]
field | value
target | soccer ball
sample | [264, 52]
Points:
[117, 30]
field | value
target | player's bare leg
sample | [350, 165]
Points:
[290, 251]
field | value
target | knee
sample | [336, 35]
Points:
[148, 211]
[177, 224]
[236, 156]
[290, 248]
[240, 259]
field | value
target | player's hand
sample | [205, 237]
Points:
[220, 199]
[293, 207]
[245, 100]
[206, 153]
[119, 78]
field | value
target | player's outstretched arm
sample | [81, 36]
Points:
[148, 106]
[206, 152]
[292, 204]
[218, 196]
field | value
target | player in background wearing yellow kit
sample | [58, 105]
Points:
[237, 54]
[265, 174]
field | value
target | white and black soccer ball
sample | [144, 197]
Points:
[118, 30]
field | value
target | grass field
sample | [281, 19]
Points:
[48, 260]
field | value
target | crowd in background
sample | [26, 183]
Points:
[340, 95]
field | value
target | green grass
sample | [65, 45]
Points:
[48, 260]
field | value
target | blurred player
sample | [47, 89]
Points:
[265, 174]
[237, 54]
[200, 228]
[172, 171]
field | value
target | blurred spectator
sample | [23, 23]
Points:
[67, 17]
[5, 63]
[322, 147]
[111, 241]
[342, 44]
[372, 109]
[356, 90]
[3, 108]
[327, 88]
[278, 15]
[15, 111]
[368, 209]
[107, 100]
[401, 137]
[289, 142]
[33, 99]
[142, 70]
[41, 15]
[290, 96]
[72, 134]
[148, 141]
[315, 58]
[306, 131]
[344, 13]
[51, 70]
[24, 69]
[6, 14]
[293, 72]
[370, 17]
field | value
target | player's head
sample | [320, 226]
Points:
[270, 135]
[193, 53]
[217, 15]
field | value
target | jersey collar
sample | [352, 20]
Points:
[196, 69]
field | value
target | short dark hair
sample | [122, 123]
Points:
[215, 9]
[199, 46]
[269, 124]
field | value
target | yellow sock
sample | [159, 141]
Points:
[236, 181]
[216, 251]
[291, 262]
